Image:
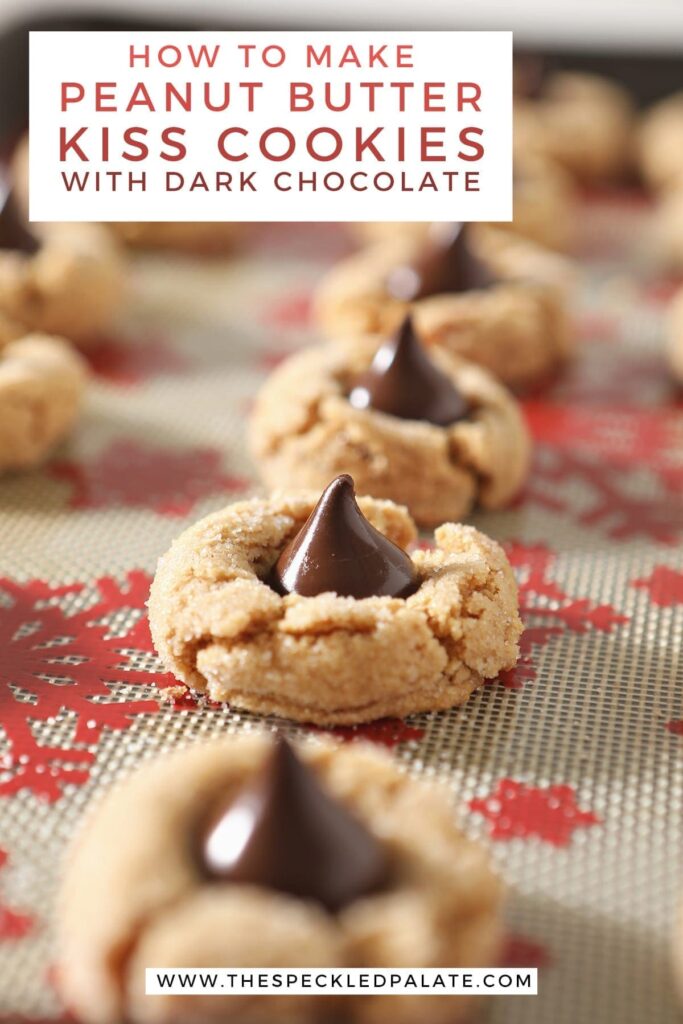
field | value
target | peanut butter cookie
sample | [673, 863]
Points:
[42, 382]
[478, 292]
[369, 633]
[64, 279]
[210, 237]
[345, 862]
[583, 122]
[660, 144]
[308, 425]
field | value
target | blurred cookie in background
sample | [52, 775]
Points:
[475, 291]
[660, 145]
[63, 279]
[194, 237]
[42, 385]
[584, 122]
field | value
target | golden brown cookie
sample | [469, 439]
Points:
[517, 328]
[71, 286]
[583, 122]
[674, 346]
[140, 897]
[210, 237]
[660, 144]
[42, 383]
[304, 431]
[329, 659]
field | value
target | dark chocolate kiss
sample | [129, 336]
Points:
[446, 264]
[338, 550]
[284, 832]
[403, 381]
[14, 232]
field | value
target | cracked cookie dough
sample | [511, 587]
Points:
[514, 322]
[583, 122]
[221, 628]
[660, 144]
[675, 337]
[304, 430]
[42, 383]
[139, 897]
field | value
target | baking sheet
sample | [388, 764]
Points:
[569, 768]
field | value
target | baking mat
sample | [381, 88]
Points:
[569, 767]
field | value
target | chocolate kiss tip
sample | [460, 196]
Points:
[285, 832]
[446, 264]
[338, 551]
[403, 381]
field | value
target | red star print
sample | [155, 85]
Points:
[519, 811]
[134, 475]
[664, 585]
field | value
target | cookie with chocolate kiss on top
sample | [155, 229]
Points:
[253, 853]
[411, 424]
[474, 291]
[310, 607]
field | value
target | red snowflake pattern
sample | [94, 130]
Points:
[126, 363]
[60, 658]
[13, 925]
[664, 585]
[612, 505]
[616, 434]
[516, 810]
[134, 475]
[547, 611]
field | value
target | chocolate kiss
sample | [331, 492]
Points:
[285, 832]
[445, 265]
[403, 381]
[338, 550]
[14, 233]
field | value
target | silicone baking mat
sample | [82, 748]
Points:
[569, 768]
